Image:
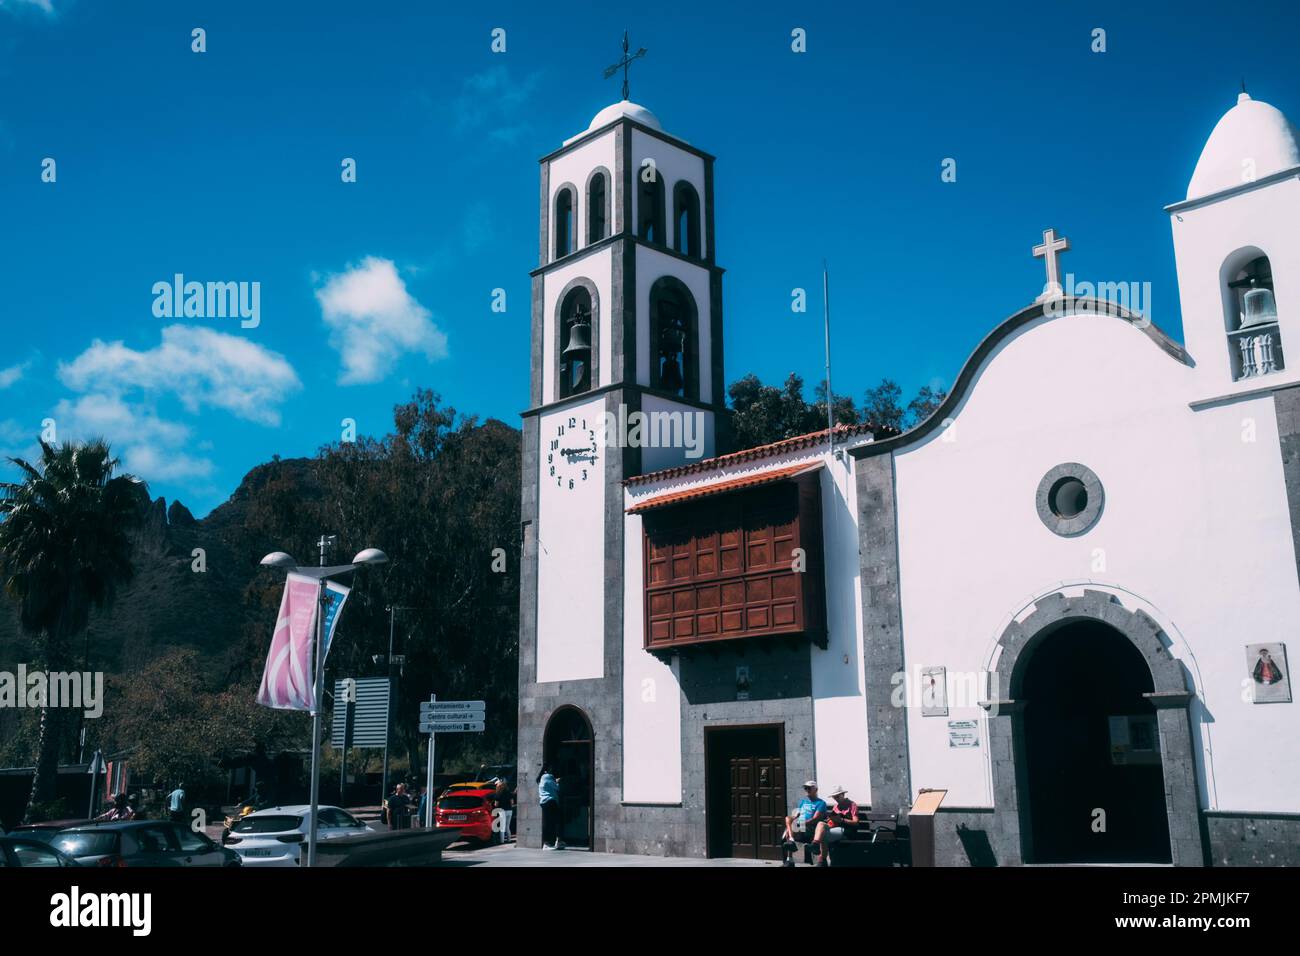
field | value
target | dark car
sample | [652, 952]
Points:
[142, 843]
[46, 830]
[20, 851]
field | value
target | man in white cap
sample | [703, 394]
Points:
[831, 828]
[804, 823]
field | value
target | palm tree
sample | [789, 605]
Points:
[65, 547]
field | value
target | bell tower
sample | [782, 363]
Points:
[626, 377]
[1238, 253]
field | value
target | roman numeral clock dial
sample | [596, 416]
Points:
[571, 457]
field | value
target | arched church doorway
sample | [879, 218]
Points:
[569, 750]
[1093, 769]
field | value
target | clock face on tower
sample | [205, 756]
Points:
[571, 455]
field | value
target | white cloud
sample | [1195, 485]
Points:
[149, 446]
[12, 374]
[373, 321]
[199, 366]
[496, 102]
[45, 6]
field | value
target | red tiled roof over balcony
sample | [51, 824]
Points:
[722, 487]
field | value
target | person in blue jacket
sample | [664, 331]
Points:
[548, 794]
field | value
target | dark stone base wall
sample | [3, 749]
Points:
[971, 837]
[780, 693]
[1267, 839]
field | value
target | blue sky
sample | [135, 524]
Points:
[225, 166]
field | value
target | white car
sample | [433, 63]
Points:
[277, 836]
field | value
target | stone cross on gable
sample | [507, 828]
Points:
[1048, 250]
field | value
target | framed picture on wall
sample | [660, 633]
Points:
[1269, 677]
[934, 692]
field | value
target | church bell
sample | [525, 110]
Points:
[579, 346]
[671, 376]
[1259, 305]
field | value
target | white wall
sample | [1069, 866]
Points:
[652, 697]
[655, 458]
[839, 705]
[571, 556]
[652, 729]
[1195, 523]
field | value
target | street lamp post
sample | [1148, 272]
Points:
[279, 559]
[392, 623]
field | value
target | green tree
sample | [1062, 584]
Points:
[846, 413]
[924, 405]
[880, 405]
[65, 548]
[762, 414]
[180, 730]
[439, 494]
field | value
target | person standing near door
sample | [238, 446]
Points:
[548, 795]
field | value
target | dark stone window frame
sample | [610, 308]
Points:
[1171, 699]
[605, 206]
[686, 199]
[663, 286]
[572, 228]
[557, 365]
[1082, 522]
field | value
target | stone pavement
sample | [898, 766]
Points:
[511, 855]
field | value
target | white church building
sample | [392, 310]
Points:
[1065, 598]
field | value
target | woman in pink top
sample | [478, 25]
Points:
[829, 831]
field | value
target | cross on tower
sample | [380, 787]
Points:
[624, 63]
[1048, 251]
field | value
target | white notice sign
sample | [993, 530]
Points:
[963, 733]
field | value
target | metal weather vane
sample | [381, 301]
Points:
[624, 63]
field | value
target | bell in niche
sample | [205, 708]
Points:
[670, 378]
[1258, 305]
[579, 346]
[671, 340]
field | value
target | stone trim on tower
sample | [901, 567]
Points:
[1286, 404]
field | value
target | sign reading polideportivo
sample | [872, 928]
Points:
[451, 726]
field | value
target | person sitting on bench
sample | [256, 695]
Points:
[831, 828]
[804, 825]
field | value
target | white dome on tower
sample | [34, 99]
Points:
[1251, 141]
[624, 108]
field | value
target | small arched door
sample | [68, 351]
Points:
[568, 748]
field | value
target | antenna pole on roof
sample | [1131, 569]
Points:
[830, 396]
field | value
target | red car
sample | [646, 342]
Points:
[468, 810]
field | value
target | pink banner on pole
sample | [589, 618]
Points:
[287, 679]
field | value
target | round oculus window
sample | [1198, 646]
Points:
[1069, 499]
